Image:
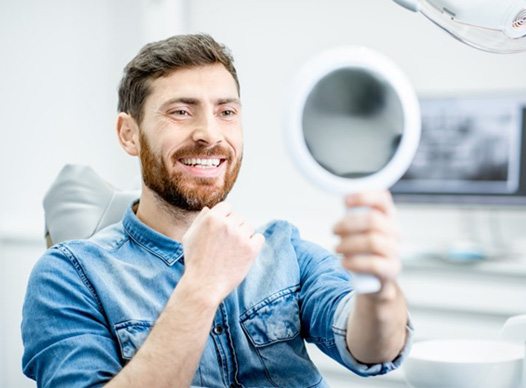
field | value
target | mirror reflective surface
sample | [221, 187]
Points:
[352, 122]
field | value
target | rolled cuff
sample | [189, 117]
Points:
[341, 316]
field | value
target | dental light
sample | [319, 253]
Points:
[497, 26]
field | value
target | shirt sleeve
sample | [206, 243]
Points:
[67, 342]
[339, 327]
[326, 299]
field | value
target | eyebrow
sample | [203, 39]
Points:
[195, 101]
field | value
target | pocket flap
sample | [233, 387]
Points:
[131, 335]
[273, 320]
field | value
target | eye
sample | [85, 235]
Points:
[228, 112]
[179, 112]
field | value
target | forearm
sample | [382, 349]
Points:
[376, 329]
[170, 355]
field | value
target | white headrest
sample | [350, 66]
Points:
[79, 203]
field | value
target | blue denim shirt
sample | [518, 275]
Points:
[90, 304]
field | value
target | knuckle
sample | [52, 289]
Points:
[376, 267]
[361, 197]
[375, 219]
[372, 241]
[250, 230]
[345, 246]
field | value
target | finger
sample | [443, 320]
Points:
[235, 219]
[222, 209]
[373, 264]
[370, 221]
[369, 243]
[246, 230]
[381, 200]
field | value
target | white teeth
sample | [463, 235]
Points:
[207, 163]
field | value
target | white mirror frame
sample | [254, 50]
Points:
[379, 67]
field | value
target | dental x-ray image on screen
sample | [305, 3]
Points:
[470, 151]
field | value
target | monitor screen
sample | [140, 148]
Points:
[472, 151]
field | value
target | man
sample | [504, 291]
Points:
[184, 291]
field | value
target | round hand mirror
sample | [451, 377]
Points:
[353, 125]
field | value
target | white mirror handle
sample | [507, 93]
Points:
[364, 283]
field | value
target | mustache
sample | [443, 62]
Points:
[203, 150]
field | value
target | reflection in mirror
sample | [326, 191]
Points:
[352, 122]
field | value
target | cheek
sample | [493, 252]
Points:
[167, 157]
[170, 145]
[238, 144]
[235, 139]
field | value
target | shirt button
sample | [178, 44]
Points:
[218, 329]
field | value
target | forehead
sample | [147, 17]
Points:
[203, 82]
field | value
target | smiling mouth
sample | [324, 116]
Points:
[204, 163]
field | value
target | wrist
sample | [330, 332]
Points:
[193, 290]
[388, 293]
[382, 303]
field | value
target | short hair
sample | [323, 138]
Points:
[160, 58]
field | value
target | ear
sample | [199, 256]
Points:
[128, 133]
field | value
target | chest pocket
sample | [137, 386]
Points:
[273, 328]
[131, 335]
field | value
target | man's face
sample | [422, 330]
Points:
[191, 139]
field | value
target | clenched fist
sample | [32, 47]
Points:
[220, 247]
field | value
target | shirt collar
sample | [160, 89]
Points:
[168, 250]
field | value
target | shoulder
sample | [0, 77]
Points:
[278, 232]
[66, 270]
[56, 277]
[105, 240]
[72, 256]
[278, 228]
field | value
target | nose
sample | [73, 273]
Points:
[207, 131]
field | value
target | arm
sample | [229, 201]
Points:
[376, 329]
[171, 353]
[67, 339]
[219, 246]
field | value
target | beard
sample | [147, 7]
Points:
[183, 192]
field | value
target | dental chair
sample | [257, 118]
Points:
[80, 202]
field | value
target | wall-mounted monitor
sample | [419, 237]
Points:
[472, 151]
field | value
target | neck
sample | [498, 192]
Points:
[164, 218]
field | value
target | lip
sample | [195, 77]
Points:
[204, 172]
